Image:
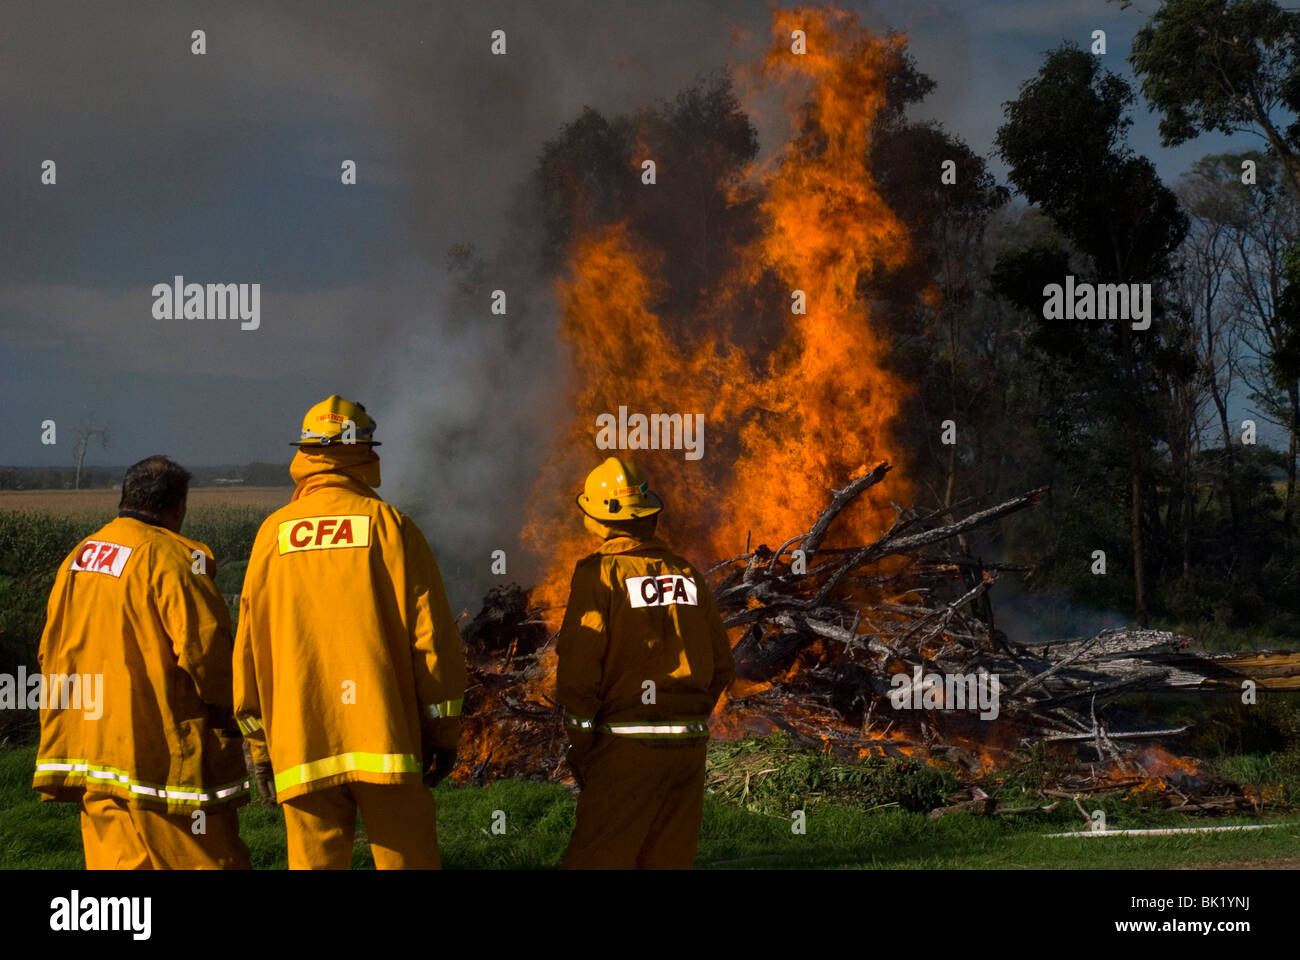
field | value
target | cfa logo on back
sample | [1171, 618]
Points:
[99, 556]
[324, 533]
[661, 591]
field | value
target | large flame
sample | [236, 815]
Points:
[783, 425]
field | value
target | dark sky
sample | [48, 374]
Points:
[225, 168]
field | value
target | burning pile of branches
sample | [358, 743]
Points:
[887, 648]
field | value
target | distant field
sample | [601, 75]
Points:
[103, 501]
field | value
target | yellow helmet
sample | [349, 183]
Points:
[616, 490]
[324, 424]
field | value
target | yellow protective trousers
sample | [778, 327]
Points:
[640, 806]
[400, 818]
[118, 835]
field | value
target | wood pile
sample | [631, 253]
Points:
[827, 635]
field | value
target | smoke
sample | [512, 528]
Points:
[1037, 616]
[463, 414]
[471, 400]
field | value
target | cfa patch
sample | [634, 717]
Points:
[661, 591]
[99, 556]
[324, 533]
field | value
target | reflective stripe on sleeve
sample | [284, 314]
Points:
[579, 724]
[249, 725]
[448, 708]
[346, 763]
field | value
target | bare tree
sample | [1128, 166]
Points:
[1266, 225]
[87, 433]
[1236, 259]
[1204, 292]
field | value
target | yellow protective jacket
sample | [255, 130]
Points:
[348, 665]
[639, 613]
[135, 614]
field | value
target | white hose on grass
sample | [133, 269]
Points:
[1161, 831]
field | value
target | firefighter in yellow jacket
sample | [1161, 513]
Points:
[349, 674]
[643, 658]
[136, 720]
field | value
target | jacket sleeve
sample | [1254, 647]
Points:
[581, 647]
[724, 663]
[248, 705]
[197, 622]
[436, 654]
[48, 650]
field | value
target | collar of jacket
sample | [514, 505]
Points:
[630, 545]
[355, 468]
[142, 517]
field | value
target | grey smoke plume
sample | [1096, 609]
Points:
[464, 412]
[475, 398]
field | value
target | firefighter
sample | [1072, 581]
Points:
[643, 658]
[136, 719]
[349, 674]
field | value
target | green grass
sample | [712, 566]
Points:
[896, 839]
[539, 818]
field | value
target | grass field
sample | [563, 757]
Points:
[539, 818]
[104, 501]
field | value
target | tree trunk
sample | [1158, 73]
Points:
[1290, 162]
[1230, 475]
[1139, 562]
[1288, 510]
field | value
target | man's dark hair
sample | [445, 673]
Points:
[156, 485]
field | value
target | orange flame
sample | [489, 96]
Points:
[783, 426]
[1156, 767]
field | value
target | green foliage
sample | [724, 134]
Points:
[1273, 778]
[773, 776]
[1065, 140]
[31, 547]
[1195, 59]
[34, 542]
[1230, 727]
